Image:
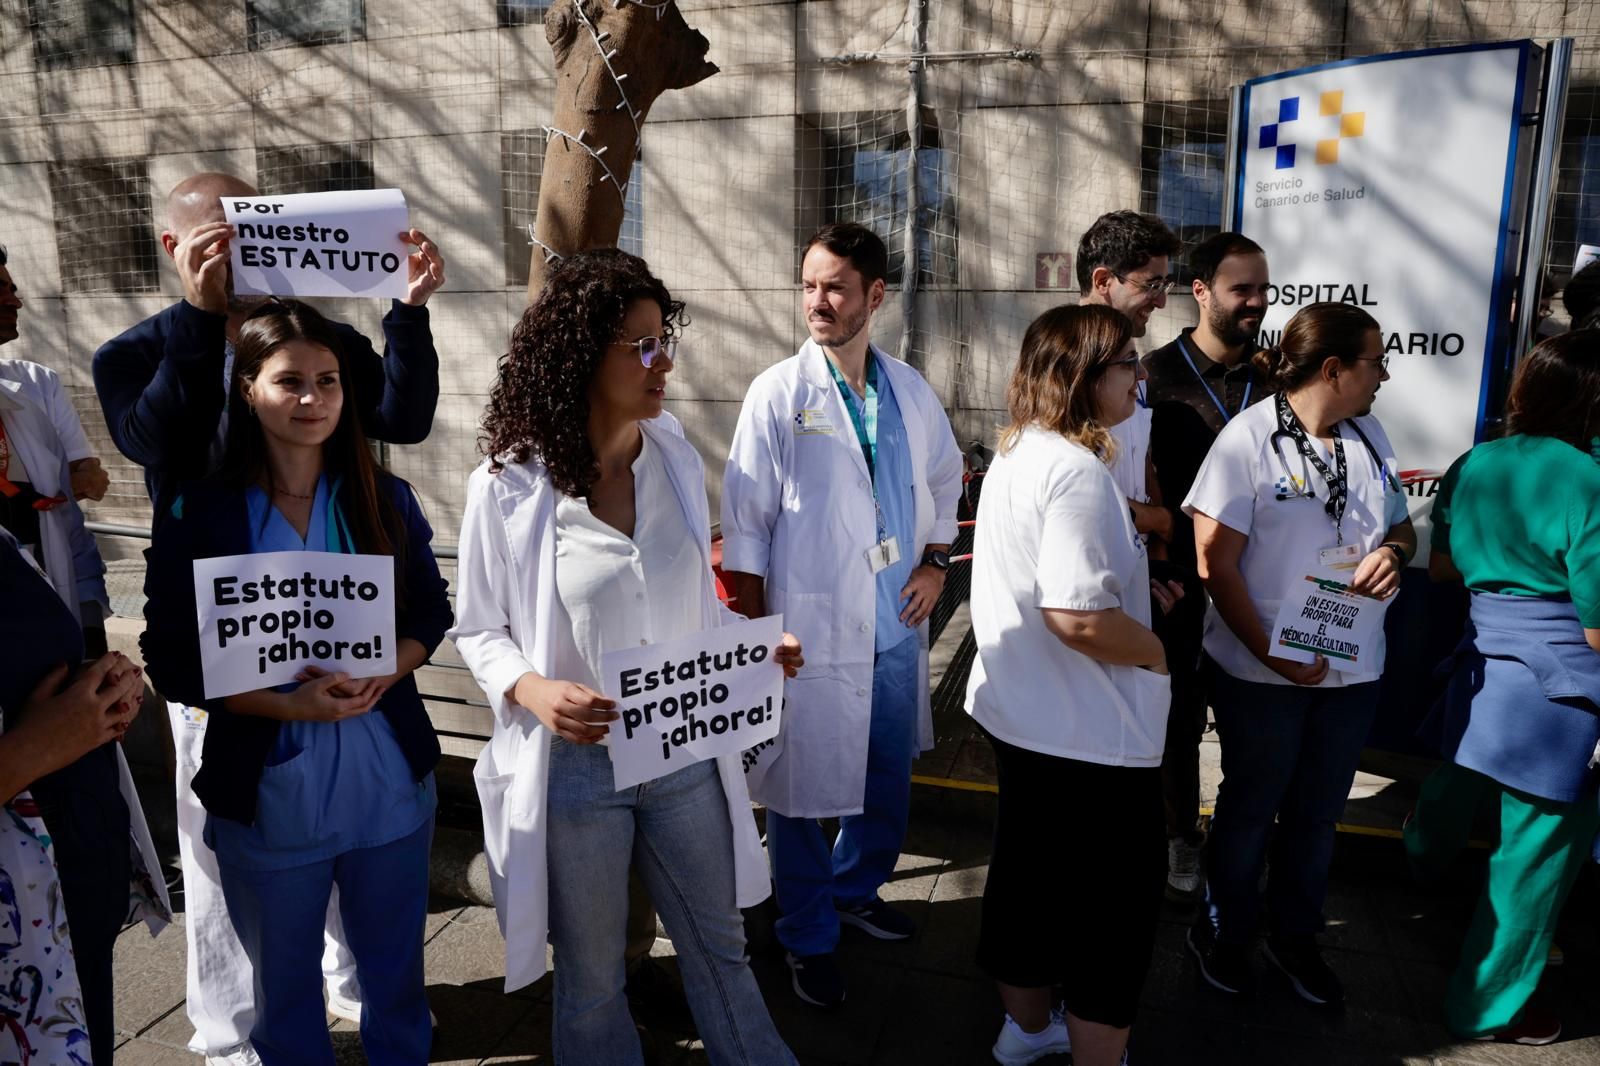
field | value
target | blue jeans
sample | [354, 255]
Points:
[674, 832]
[811, 883]
[1289, 753]
[279, 916]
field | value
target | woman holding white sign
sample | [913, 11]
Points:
[304, 788]
[1296, 489]
[1071, 688]
[587, 531]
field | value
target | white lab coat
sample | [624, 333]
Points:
[509, 620]
[44, 432]
[797, 510]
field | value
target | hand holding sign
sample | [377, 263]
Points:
[425, 267]
[202, 262]
[1378, 575]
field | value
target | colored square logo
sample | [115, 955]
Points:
[1285, 156]
[1328, 151]
[1353, 124]
[1333, 102]
[1289, 109]
[1269, 135]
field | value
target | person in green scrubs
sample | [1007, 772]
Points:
[1518, 520]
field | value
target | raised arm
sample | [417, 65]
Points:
[162, 388]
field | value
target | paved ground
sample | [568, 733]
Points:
[923, 1003]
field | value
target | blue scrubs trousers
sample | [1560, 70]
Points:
[812, 881]
[279, 916]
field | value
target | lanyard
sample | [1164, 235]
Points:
[864, 419]
[1337, 479]
[11, 490]
[1183, 347]
[866, 422]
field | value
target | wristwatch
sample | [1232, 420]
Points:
[935, 558]
[1398, 551]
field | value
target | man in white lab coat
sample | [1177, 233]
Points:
[838, 509]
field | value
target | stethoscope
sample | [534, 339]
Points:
[1300, 489]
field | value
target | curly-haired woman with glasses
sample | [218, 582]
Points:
[586, 531]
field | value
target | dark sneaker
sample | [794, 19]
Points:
[1536, 1029]
[877, 918]
[1225, 967]
[817, 979]
[656, 999]
[1300, 959]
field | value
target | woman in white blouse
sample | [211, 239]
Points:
[1070, 686]
[587, 531]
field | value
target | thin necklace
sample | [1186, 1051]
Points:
[293, 495]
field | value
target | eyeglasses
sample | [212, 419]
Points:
[1152, 286]
[1132, 363]
[1381, 360]
[652, 348]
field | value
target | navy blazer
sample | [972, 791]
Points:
[209, 518]
[162, 391]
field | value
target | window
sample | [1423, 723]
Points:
[277, 23]
[81, 33]
[520, 12]
[104, 237]
[1576, 216]
[315, 168]
[521, 166]
[861, 167]
[1183, 163]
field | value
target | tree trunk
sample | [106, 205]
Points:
[613, 58]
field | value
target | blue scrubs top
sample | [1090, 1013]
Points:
[328, 787]
[892, 476]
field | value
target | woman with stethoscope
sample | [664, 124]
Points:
[1301, 482]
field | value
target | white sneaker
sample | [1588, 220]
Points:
[1017, 1048]
[243, 1055]
[1183, 869]
[350, 1011]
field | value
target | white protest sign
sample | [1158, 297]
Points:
[265, 617]
[320, 243]
[1323, 617]
[1587, 253]
[1378, 181]
[694, 698]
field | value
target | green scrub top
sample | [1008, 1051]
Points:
[1521, 516]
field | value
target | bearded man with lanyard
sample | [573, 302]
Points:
[1197, 384]
[1304, 482]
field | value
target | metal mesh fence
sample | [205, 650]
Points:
[979, 137]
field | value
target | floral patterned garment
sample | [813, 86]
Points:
[41, 1007]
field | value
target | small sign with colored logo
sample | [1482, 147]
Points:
[812, 420]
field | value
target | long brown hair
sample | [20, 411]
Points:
[1063, 352]
[1556, 392]
[375, 523]
[1316, 332]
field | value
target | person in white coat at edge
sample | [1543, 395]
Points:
[587, 530]
[838, 509]
[46, 466]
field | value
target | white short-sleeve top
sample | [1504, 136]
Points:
[1244, 485]
[1054, 531]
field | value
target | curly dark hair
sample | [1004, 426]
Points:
[539, 405]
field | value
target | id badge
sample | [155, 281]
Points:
[1343, 557]
[883, 554]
